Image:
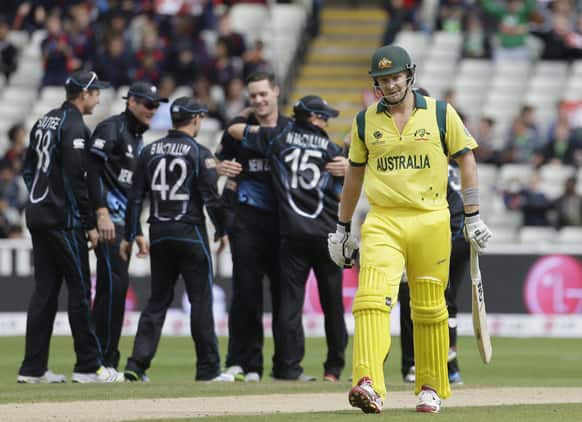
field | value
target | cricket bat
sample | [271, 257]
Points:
[478, 310]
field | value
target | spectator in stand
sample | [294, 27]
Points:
[254, 61]
[223, 68]
[531, 201]
[486, 152]
[10, 189]
[25, 15]
[115, 24]
[561, 147]
[451, 15]
[15, 153]
[574, 40]
[235, 100]
[9, 221]
[528, 114]
[183, 63]
[8, 53]
[235, 42]
[555, 39]
[80, 33]
[57, 54]
[569, 205]
[402, 14]
[522, 146]
[512, 29]
[563, 117]
[150, 58]
[475, 41]
[114, 62]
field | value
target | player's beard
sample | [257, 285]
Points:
[384, 98]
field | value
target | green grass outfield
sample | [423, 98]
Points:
[516, 362]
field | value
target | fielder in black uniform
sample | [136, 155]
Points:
[60, 221]
[178, 176]
[460, 254]
[253, 233]
[307, 199]
[112, 158]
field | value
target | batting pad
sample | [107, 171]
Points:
[431, 335]
[371, 309]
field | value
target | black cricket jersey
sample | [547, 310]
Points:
[112, 159]
[54, 172]
[254, 184]
[179, 177]
[456, 207]
[307, 194]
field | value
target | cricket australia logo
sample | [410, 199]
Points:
[384, 63]
[421, 135]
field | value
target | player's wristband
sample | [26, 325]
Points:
[472, 214]
[470, 196]
[344, 227]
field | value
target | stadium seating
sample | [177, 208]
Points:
[570, 235]
[528, 235]
[483, 88]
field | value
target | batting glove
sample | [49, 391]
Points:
[476, 232]
[342, 246]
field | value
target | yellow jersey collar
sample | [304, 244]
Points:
[419, 102]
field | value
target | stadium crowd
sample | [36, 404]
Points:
[192, 43]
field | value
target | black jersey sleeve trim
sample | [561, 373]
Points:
[461, 152]
[361, 125]
[441, 115]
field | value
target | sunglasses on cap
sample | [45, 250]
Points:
[150, 105]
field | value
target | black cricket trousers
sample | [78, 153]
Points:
[297, 257]
[254, 245]
[172, 256]
[60, 254]
[110, 294]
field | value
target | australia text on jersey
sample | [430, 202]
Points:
[403, 162]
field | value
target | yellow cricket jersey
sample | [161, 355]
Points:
[408, 169]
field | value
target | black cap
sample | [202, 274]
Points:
[187, 106]
[144, 89]
[314, 104]
[84, 80]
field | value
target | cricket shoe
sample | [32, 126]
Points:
[330, 378]
[364, 397]
[134, 376]
[455, 378]
[410, 376]
[428, 401]
[48, 377]
[103, 375]
[252, 377]
[231, 374]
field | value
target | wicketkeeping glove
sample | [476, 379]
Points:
[342, 246]
[476, 232]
